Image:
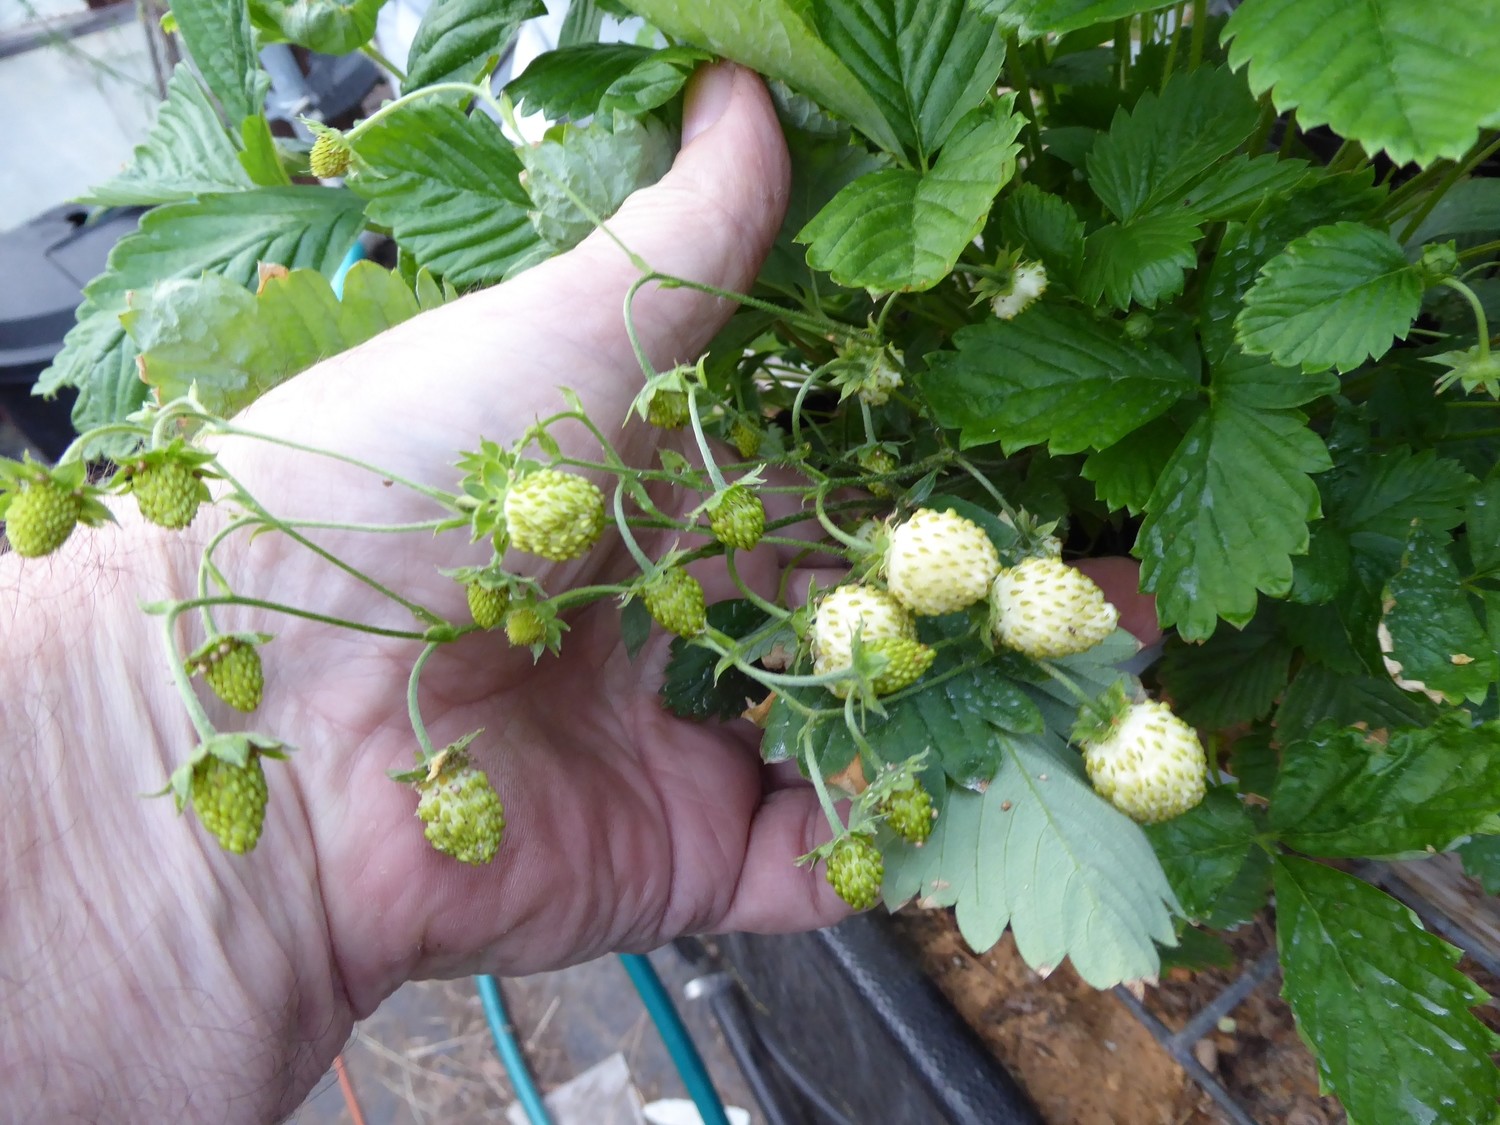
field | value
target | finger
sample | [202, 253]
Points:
[774, 895]
[1120, 579]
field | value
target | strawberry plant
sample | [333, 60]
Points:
[1057, 278]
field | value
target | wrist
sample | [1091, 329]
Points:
[144, 967]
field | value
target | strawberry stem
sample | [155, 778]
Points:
[413, 711]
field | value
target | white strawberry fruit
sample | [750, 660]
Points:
[1148, 763]
[849, 611]
[1047, 609]
[939, 562]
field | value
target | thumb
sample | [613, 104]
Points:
[711, 219]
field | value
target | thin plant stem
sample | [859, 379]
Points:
[709, 464]
[1481, 321]
[180, 677]
[370, 51]
[1476, 156]
[626, 535]
[304, 614]
[1200, 34]
[819, 785]
[413, 710]
[759, 602]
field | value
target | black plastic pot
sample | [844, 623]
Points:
[46, 264]
[841, 1027]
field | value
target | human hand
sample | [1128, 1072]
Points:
[625, 826]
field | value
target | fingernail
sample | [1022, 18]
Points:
[708, 96]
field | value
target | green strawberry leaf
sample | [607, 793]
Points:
[1247, 247]
[1414, 79]
[1155, 153]
[1233, 677]
[1240, 185]
[1321, 695]
[1203, 851]
[448, 186]
[1255, 762]
[1037, 17]
[1047, 228]
[1381, 1002]
[1469, 206]
[221, 42]
[822, 166]
[1375, 498]
[457, 37]
[901, 230]
[186, 153]
[1482, 523]
[230, 235]
[1481, 857]
[653, 82]
[1434, 641]
[1053, 374]
[960, 709]
[1335, 297]
[774, 38]
[1125, 473]
[1040, 852]
[1143, 261]
[1232, 506]
[330, 27]
[576, 176]
[926, 63]
[1346, 794]
[693, 688]
[235, 345]
[1246, 896]
[569, 83]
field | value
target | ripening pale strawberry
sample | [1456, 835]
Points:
[939, 562]
[463, 814]
[554, 514]
[737, 517]
[230, 800]
[674, 599]
[849, 610]
[855, 869]
[1149, 764]
[1047, 609]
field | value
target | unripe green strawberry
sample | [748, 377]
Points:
[877, 460]
[1149, 763]
[230, 800]
[855, 869]
[232, 668]
[41, 516]
[674, 599]
[330, 154]
[849, 610]
[524, 625]
[745, 436]
[487, 606]
[668, 409]
[737, 517]
[1047, 609]
[462, 811]
[168, 493]
[909, 813]
[554, 514]
[909, 660]
[939, 562]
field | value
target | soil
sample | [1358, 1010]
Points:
[1085, 1059]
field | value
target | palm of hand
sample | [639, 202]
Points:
[625, 826]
